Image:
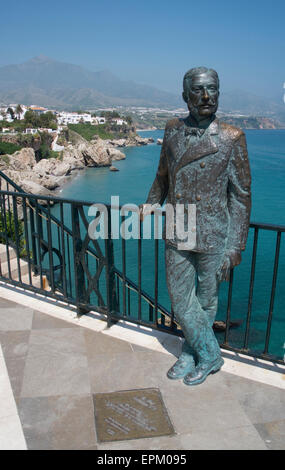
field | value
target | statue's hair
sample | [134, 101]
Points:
[195, 71]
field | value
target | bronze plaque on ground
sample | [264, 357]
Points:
[131, 414]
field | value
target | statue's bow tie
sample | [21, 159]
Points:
[194, 131]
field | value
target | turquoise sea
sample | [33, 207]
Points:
[267, 158]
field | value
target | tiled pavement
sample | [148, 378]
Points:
[55, 367]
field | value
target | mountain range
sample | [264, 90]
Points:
[48, 82]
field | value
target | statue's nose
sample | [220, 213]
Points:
[205, 94]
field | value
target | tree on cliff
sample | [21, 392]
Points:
[11, 112]
[19, 111]
[47, 120]
[129, 120]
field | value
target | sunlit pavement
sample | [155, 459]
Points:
[50, 369]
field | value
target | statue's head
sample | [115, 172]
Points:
[201, 92]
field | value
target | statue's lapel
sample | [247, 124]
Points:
[177, 143]
[201, 147]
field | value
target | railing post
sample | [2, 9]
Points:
[112, 305]
[228, 316]
[79, 277]
[33, 239]
[273, 288]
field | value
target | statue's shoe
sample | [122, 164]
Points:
[185, 365]
[202, 371]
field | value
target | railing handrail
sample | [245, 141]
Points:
[58, 200]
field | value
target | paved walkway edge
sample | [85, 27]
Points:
[244, 366]
[11, 432]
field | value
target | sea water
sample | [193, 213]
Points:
[266, 150]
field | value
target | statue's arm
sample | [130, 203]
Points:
[159, 188]
[239, 206]
[239, 195]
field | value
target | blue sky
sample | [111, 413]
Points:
[154, 42]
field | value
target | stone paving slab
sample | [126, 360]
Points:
[55, 367]
[273, 433]
[58, 422]
[252, 399]
[15, 319]
[11, 433]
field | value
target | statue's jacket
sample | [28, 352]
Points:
[211, 171]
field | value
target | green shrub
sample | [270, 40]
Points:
[88, 131]
[10, 229]
[8, 148]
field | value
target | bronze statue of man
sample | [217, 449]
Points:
[204, 162]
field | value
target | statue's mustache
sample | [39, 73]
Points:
[207, 102]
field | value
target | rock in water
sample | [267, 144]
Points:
[95, 155]
[115, 154]
[113, 168]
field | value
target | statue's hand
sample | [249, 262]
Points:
[231, 259]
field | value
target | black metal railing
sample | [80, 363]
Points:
[51, 236]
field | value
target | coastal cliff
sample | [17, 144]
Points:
[49, 174]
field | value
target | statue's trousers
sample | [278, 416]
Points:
[194, 307]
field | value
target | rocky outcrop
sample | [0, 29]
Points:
[49, 174]
[95, 154]
[116, 154]
[132, 141]
[23, 159]
[52, 167]
[73, 157]
[46, 175]
[35, 188]
[138, 141]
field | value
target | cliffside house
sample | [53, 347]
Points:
[38, 109]
[73, 118]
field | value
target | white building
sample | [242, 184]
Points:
[119, 121]
[31, 131]
[73, 118]
[98, 120]
[45, 129]
[38, 109]
[5, 115]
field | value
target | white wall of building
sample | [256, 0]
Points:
[73, 118]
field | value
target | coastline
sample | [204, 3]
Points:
[149, 129]
[48, 176]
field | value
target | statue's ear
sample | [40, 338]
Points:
[184, 96]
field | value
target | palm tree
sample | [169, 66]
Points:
[19, 111]
[11, 112]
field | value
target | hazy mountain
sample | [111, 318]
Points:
[247, 103]
[48, 82]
